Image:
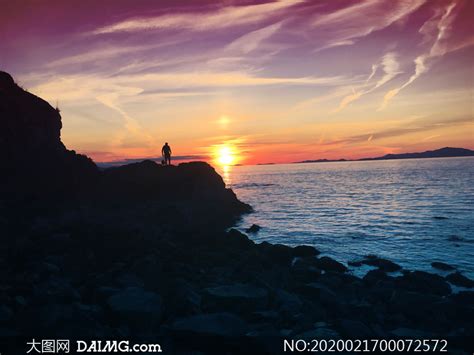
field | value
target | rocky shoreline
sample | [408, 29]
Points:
[145, 252]
[69, 275]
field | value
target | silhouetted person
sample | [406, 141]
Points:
[166, 151]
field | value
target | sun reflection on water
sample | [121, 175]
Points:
[224, 156]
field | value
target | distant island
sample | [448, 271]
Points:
[446, 152]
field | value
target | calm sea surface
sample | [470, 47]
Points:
[412, 212]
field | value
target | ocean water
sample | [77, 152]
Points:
[412, 212]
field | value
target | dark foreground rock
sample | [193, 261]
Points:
[142, 278]
[382, 264]
[216, 324]
[442, 266]
[254, 228]
[328, 264]
[458, 279]
[238, 297]
[136, 303]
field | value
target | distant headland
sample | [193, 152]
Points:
[446, 152]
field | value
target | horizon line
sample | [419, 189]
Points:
[198, 158]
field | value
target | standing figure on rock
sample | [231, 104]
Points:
[166, 151]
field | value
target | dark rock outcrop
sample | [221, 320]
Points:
[254, 228]
[424, 282]
[239, 297]
[136, 303]
[382, 264]
[458, 279]
[442, 266]
[31, 150]
[214, 324]
[305, 251]
[328, 264]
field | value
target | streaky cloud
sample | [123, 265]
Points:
[349, 23]
[414, 126]
[390, 67]
[227, 16]
[438, 27]
[251, 41]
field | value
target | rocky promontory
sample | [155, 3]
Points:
[144, 252]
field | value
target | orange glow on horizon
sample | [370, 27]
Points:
[225, 155]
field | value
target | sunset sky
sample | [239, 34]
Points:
[247, 81]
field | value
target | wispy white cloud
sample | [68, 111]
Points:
[348, 99]
[331, 95]
[221, 18]
[251, 41]
[438, 27]
[104, 52]
[351, 22]
[431, 137]
[77, 87]
[372, 73]
[97, 55]
[131, 125]
[390, 67]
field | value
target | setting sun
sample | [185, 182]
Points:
[225, 155]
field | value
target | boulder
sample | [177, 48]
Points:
[320, 293]
[264, 316]
[213, 324]
[318, 333]
[458, 279]
[55, 289]
[423, 282]
[337, 280]
[374, 276]
[21, 301]
[184, 299]
[136, 303]
[277, 253]
[236, 297]
[304, 269]
[57, 317]
[382, 290]
[382, 264]
[102, 293]
[254, 228]
[128, 279]
[414, 305]
[354, 329]
[237, 240]
[6, 313]
[328, 264]
[463, 297]
[442, 266]
[288, 302]
[305, 251]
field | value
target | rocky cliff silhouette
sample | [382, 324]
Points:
[35, 161]
[38, 167]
